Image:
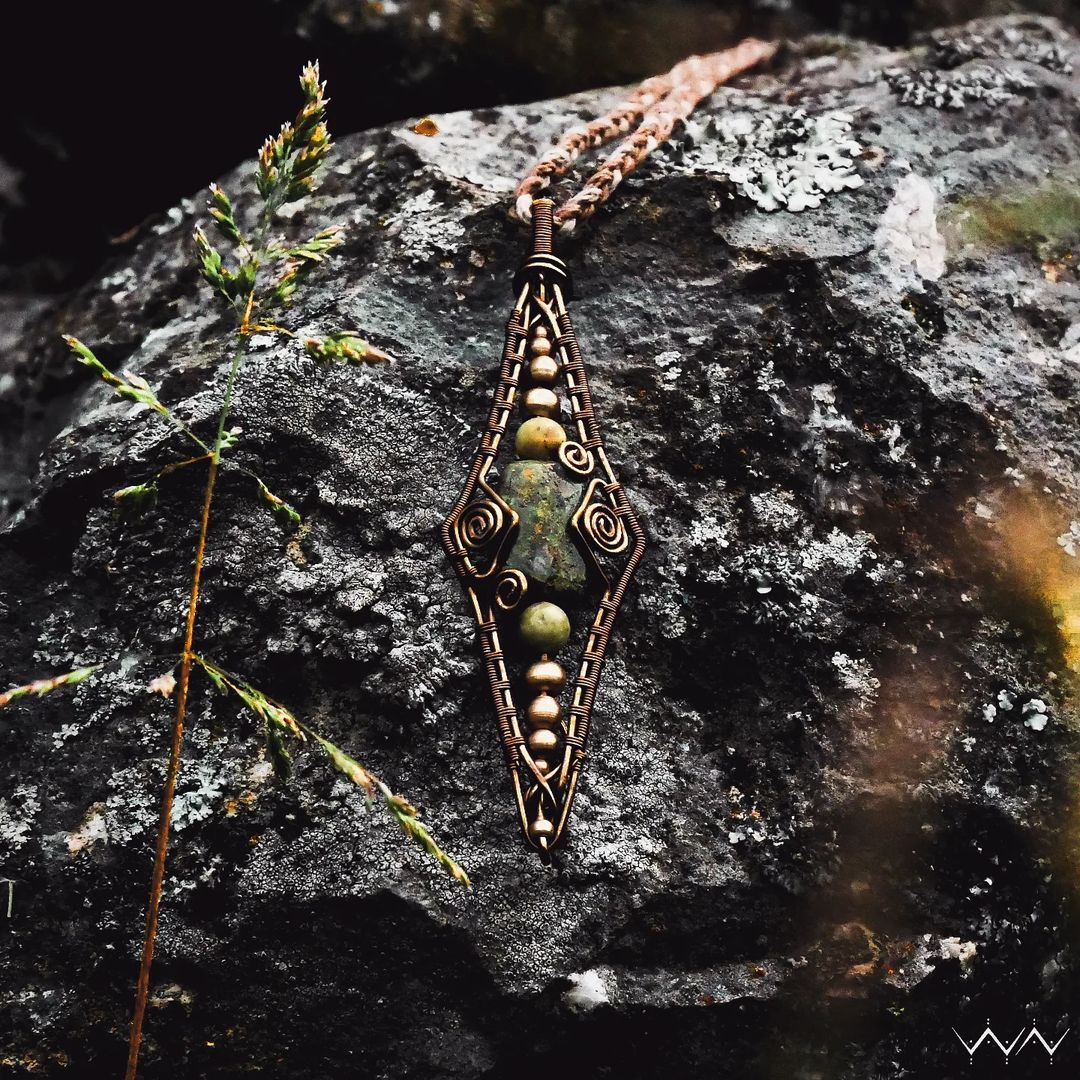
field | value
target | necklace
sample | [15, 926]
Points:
[552, 540]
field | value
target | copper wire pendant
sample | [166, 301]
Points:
[583, 541]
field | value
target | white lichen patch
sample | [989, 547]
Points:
[65, 732]
[425, 231]
[17, 815]
[907, 236]
[956, 89]
[588, 992]
[203, 794]
[747, 824]
[666, 602]
[897, 446]
[824, 415]
[204, 788]
[93, 830]
[789, 579]
[776, 510]
[839, 550]
[856, 675]
[1035, 714]
[780, 160]
[709, 537]
[128, 813]
[1069, 541]
[669, 364]
[124, 282]
[952, 948]
[172, 994]
[1027, 42]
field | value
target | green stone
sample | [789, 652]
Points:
[545, 501]
[545, 627]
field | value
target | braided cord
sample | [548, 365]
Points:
[646, 119]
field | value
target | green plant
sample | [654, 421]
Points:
[260, 276]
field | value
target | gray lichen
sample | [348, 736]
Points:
[1027, 41]
[956, 89]
[985, 62]
[778, 159]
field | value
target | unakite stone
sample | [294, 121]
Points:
[546, 628]
[545, 500]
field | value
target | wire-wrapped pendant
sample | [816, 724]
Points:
[553, 532]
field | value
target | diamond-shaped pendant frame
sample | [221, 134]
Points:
[480, 530]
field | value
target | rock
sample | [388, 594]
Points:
[390, 60]
[852, 435]
[545, 502]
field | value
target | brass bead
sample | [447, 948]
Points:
[543, 711]
[539, 438]
[544, 369]
[540, 346]
[541, 829]
[542, 765]
[541, 402]
[542, 741]
[546, 675]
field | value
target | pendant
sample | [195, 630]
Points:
[545, 543]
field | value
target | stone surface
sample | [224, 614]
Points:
[545, 501]
[830, 810]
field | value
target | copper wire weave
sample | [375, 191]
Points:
[541, 302]
[481, 527]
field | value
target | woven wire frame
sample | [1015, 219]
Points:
[480, 530]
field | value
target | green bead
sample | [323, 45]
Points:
[539, 438]
[545, 627]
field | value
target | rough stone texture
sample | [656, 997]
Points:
[545, 501]
[830, 809]
[62, 213]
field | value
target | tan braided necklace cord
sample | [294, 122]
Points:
[650, 114]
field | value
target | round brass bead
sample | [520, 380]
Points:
[546, 675]
[542, 765]
[543, 711]
[541, 829]
[540, 346]
[542, 741]
[539, 438]
[544, 369]
[539, 401]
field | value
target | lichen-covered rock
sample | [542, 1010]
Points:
[829, 813]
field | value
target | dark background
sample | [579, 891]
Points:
[116, 111]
